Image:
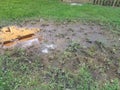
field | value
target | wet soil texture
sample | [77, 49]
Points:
[62, 33]
[71, 44]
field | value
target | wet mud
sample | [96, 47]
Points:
[71, 44]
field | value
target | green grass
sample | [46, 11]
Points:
[17, 72]
[18, 77]
[11, 10]
[21, 71]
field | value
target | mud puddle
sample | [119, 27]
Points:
[71, 44]
[62, 33]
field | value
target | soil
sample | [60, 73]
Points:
[72, 44]
[62, 33]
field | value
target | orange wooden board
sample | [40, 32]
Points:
[12, 33]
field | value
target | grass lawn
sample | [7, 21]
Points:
[21, 70]
[11, 10]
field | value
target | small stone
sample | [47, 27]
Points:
[76, 4]
[45, 50]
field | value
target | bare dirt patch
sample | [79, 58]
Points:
[71, 44]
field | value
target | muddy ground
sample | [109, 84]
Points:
[69, 45]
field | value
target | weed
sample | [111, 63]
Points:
[114, 85]
[73, 47]
[18, 73]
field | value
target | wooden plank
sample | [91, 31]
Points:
[114, 3]
[10, 34]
